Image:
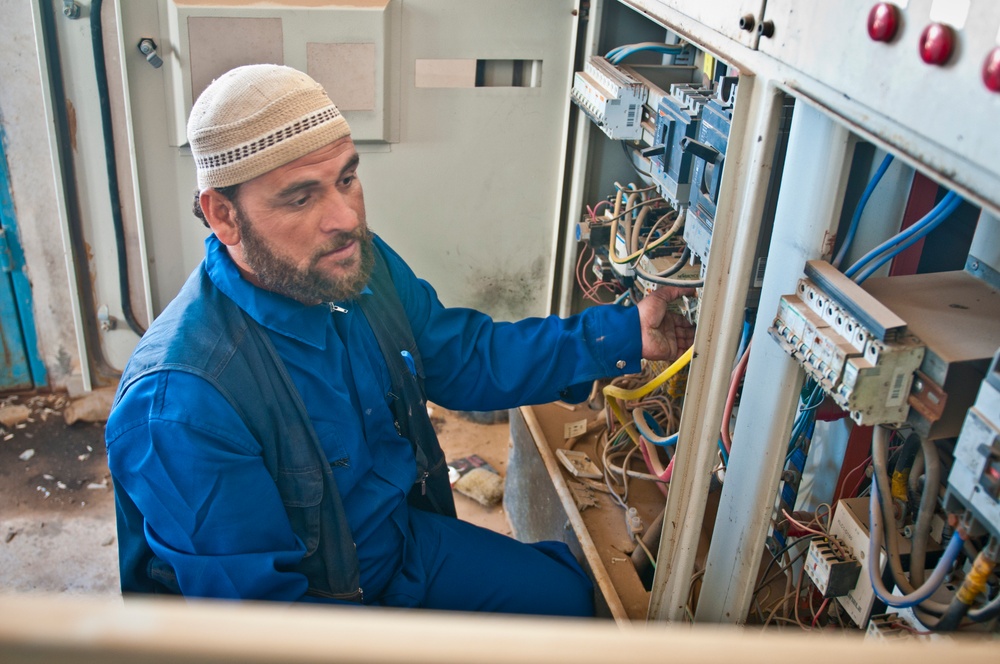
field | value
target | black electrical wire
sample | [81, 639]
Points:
[97, 43]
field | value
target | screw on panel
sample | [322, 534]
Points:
[71, 10]
[766, 29]
[747, 22]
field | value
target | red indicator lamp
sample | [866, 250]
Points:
[883, 22]
[991, 70]
[937, 43]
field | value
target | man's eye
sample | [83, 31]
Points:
[348, 180]
[300, 202]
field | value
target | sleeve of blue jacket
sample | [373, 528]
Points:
[474, 363]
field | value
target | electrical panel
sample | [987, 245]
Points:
[860, 352]
[904, 353]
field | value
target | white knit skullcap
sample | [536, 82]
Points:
[255, 118]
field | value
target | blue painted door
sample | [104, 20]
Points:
[20, 366]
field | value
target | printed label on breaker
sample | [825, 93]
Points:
[896, 391]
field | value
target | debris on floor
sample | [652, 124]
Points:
[477, 479]
[94, 407]
[12, 415]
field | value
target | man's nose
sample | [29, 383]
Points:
[338, 214]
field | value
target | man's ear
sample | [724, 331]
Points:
[220, 213]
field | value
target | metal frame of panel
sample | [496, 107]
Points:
[740, 210]
[816, 166]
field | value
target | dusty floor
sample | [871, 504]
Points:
[57, 524]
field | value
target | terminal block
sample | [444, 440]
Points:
[832, 569]
[611, 97]
[859, 351]
[891, 627]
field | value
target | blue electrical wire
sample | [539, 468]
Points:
[650, 429]
[926, 230]
[921, 594]
[725, 454]
[933, 217]
[744, 339]
[856, 219]
[619, 53]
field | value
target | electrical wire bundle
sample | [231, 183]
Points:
[618, 54]
[630, 222]
[636, 406]
[918, 591]
[868, 264]
[788, 608]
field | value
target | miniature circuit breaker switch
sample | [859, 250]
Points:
[706, 175]
[611, 97]
[856, 349]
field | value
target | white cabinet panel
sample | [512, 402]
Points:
[736, 19]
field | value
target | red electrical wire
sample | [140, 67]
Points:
[734, 386]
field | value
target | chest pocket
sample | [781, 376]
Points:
[301, 492]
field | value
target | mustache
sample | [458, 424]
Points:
[341, 239]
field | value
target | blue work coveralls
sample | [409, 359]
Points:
[192, 487]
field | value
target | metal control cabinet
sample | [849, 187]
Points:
[847, 87]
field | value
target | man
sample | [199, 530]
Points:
[270, 439]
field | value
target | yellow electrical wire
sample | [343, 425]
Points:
[628, 259]
[613, 393]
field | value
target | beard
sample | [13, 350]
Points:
[309, 285]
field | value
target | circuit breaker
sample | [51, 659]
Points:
[610, 96]
[859, 351]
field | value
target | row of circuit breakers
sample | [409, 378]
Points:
[687, 148]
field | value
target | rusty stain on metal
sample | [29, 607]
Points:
[71, 122]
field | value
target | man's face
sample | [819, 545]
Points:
[302, 227]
